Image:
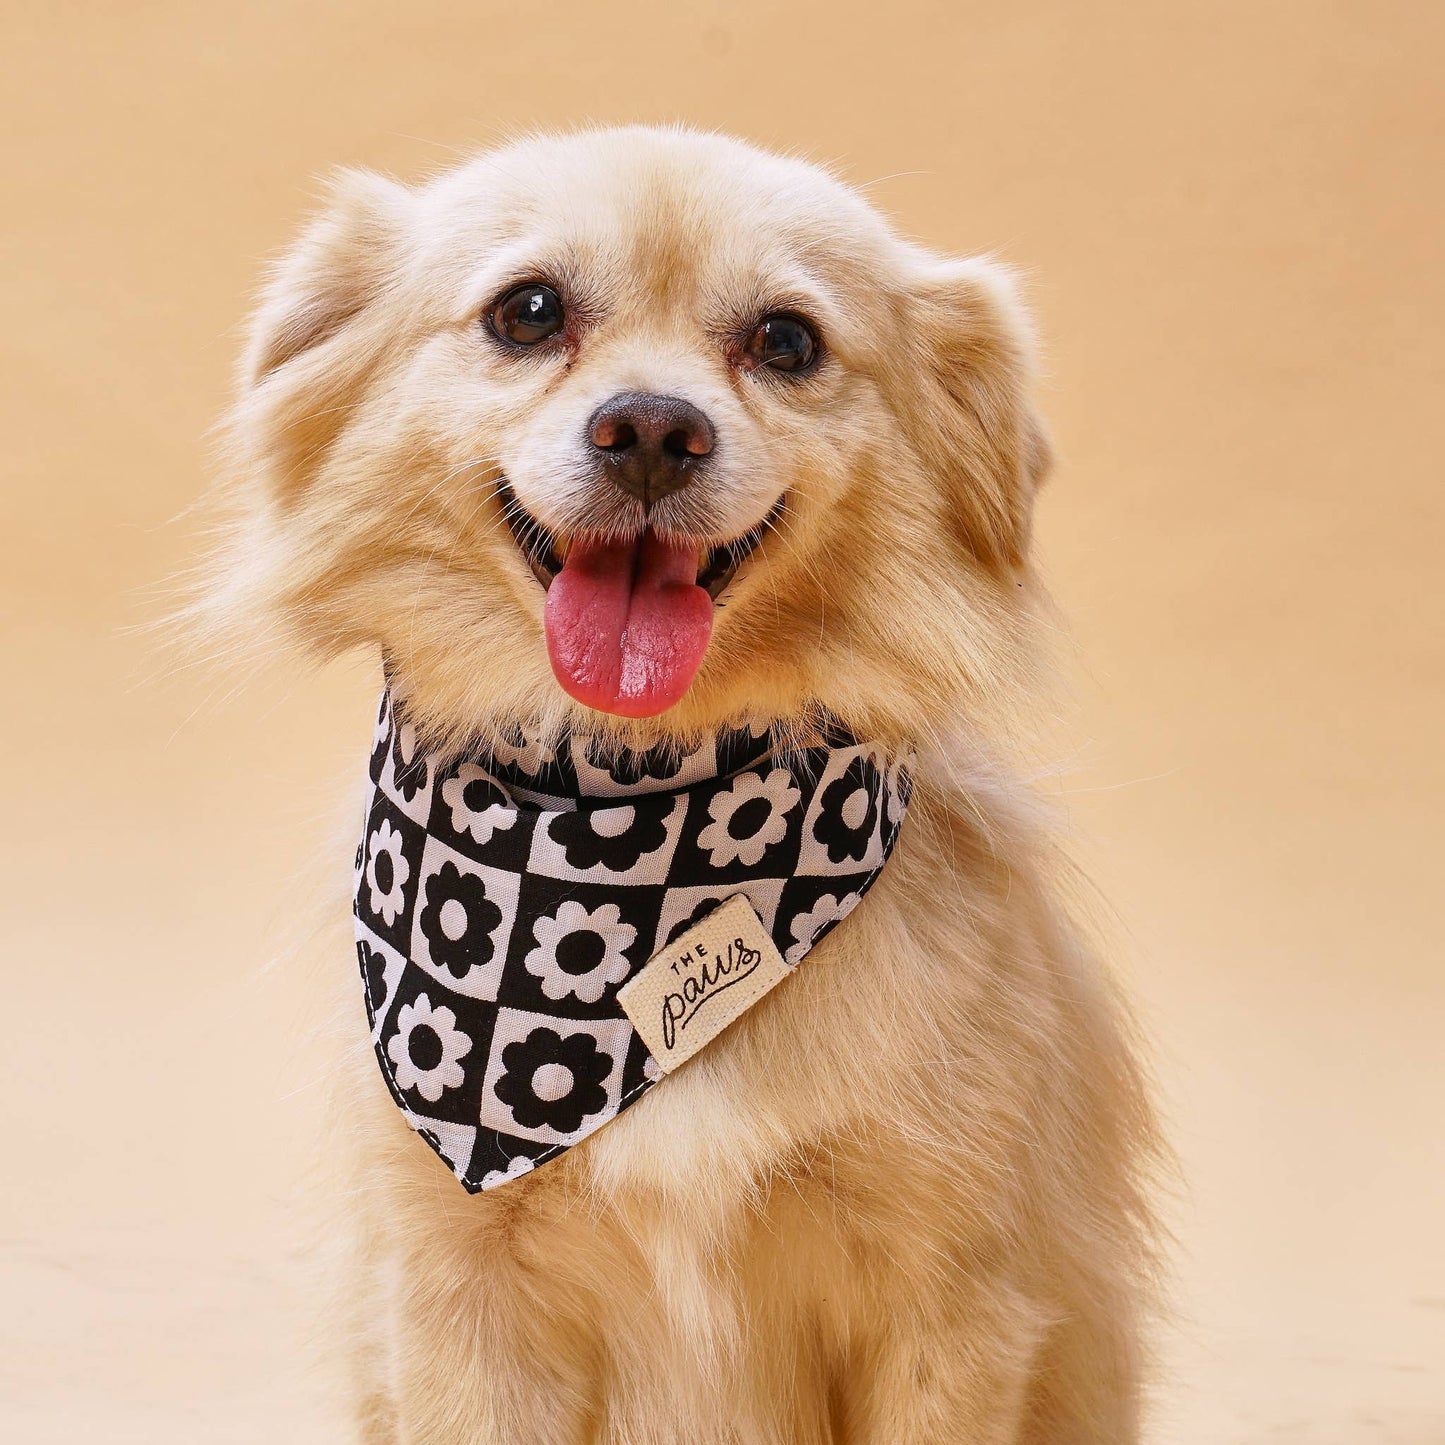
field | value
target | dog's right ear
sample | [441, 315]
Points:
[339, 262]
[316, 336]
[310, 348]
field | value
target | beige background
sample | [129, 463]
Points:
[1231, 216]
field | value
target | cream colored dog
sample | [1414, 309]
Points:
[900, 1200]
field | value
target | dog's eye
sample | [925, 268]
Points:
[783, 342]
[528, 314]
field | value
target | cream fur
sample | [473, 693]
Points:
[901, 1200]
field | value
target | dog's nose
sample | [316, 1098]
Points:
[651, 444]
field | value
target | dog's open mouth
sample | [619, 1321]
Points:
[545, 555]
[627, 619]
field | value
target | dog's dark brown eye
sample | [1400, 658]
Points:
[782, 342]
[528, 314]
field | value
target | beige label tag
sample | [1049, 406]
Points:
[687, 994]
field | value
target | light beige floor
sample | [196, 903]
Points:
[1231, 215]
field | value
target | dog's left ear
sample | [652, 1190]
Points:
[980, 430]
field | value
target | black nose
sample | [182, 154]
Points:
[651, 444]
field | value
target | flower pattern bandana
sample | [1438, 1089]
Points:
[502, 900]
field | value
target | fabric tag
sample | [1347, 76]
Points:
[687, 994]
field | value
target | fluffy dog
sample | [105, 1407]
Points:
[650, 431]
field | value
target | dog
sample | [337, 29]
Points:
[904, 1198]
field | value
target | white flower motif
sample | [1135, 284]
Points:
[531, 755]
[807, 926]
[579, 953]
[406, 744]
[426, 1048]
[749, 817]
[481, 822]
[896, 780]
[514, 1170]
[612, 822]
[410, 767]
[386, 871]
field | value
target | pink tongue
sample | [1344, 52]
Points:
[627, 624]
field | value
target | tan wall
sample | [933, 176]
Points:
[1231, 213]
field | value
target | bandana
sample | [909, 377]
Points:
[504, 900]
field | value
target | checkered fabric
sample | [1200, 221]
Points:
[502, 900]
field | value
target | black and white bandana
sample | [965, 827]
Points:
[501, 901]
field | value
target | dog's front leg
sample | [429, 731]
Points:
[952, 1366]
[460, 1354]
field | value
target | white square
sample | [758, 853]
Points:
[595, 782]
[679, 903]
[393, 966]
[418, 807]
[611, 1037]
[481, 980]
[549, 857]
[814, 859]
[455, 1142]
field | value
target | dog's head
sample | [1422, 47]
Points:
[640, 422]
